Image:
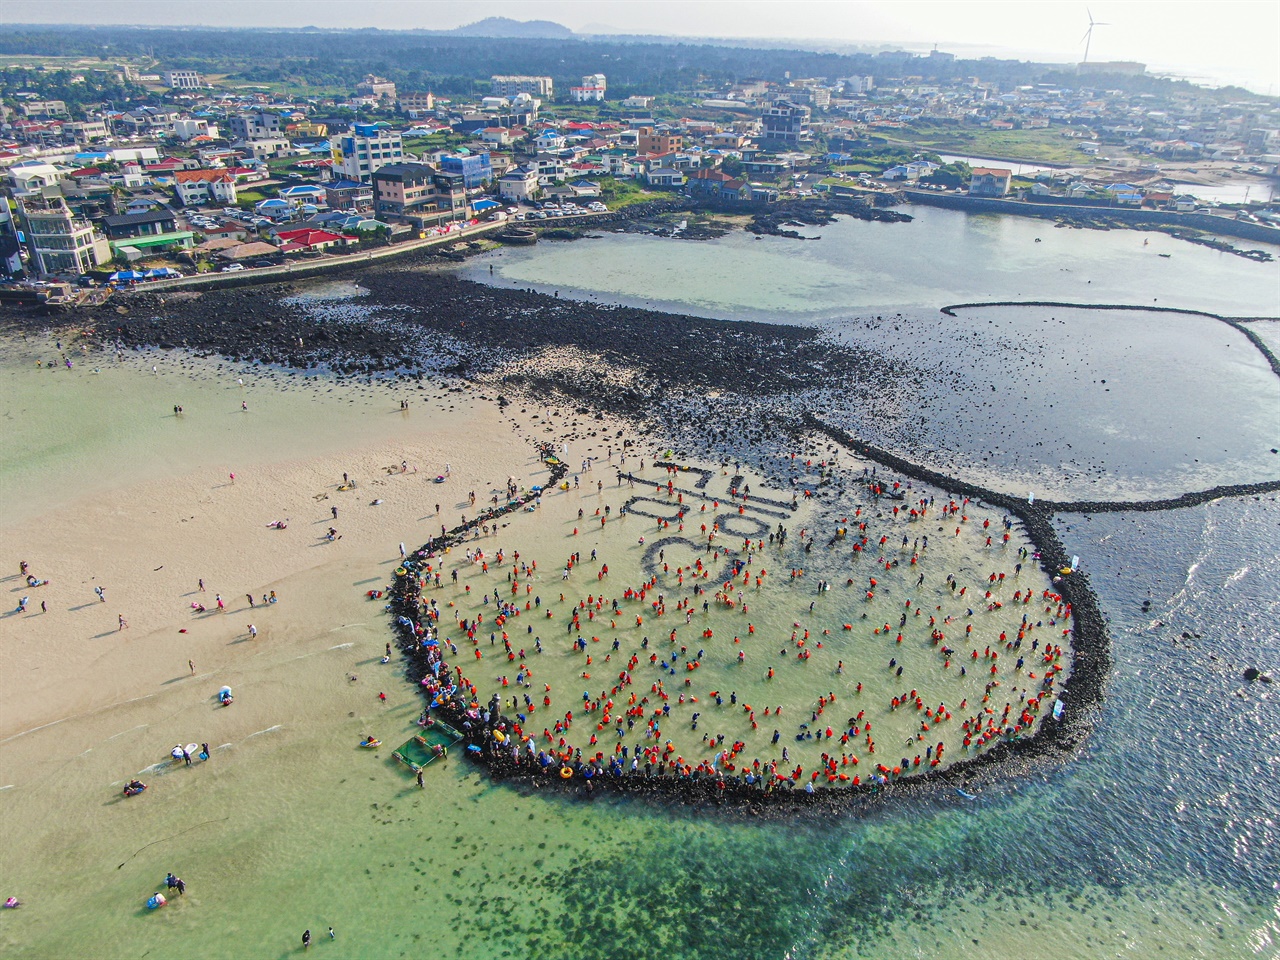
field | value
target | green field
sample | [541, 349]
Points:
[1048, 146]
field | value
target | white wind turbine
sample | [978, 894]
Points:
[1088, 34]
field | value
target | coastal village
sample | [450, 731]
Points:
[195, 175]
[456, 501]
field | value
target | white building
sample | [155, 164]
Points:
[519, 184]
[586, 94]
[30, 176]
[58, 241]
[182, 79]
[188, 128]
[198, 187]
[511, 86]
[357, 155]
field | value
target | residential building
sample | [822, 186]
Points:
[150, 223]
[637, 103]
[786, 122]
[379, 87]
[360, 154]
[476, 169]
[519, 184]
[44, 108]
[665, 177]
[417, 101]
[32, 176]
[189, 128]
[297, 241]
[182, 79]
[306, 128]
[654, 140]
[348, 195]
[498, 136]
[58, 241]
[549, 166]
[197, 187]
[503, 86]
[255, 126]
[549, 140]
[262, 148]
[10, 248]
[990, 182]
[147, 122]
[592, 89]
[86, 131]
[417, 191]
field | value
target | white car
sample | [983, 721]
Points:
[233, 268]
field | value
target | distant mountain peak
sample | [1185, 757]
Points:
[506, 27]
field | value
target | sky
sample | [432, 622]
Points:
[1212, 41]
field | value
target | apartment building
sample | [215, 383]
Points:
[58, 241]
[182, 79]
[361, 153]
[512, 86]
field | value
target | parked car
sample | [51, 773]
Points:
[233, 268]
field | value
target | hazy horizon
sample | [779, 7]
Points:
[1220, 42]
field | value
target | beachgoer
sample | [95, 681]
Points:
[192, 665]
[306, 939]
[253, 632]
[123, 622]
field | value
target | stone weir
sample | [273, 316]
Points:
[487, 732]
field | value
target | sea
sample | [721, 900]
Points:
[1157, 838]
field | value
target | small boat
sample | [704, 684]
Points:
[370, 743]
[1165, 255]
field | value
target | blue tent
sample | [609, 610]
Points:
[127, 275]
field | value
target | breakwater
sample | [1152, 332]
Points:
[1237, 323]
[1128, 215]
[498, 742]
